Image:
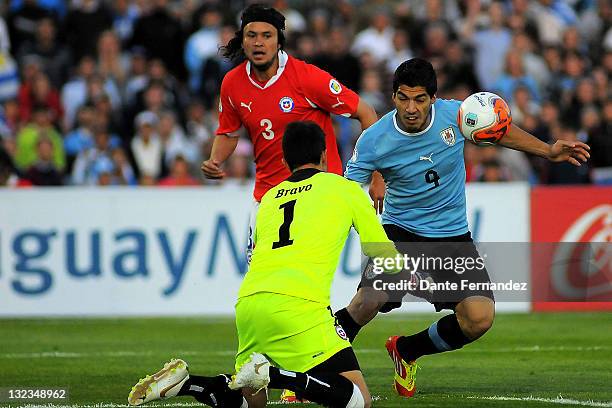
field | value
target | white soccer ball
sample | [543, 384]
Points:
[484, 118]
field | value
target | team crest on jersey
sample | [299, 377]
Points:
[341, 333]
[334, 86]
[286, 104]
[448, 135]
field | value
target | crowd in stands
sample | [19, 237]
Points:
[125, 92]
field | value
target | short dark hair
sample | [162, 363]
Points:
[255, 12]
[416, 72]
[303, 143]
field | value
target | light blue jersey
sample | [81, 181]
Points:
[424, 171]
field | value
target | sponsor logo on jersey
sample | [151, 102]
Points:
[448, 135]
[334, 86]
[427, 158]
[341, 333]
[286, 104]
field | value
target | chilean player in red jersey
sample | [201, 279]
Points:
[271, 89]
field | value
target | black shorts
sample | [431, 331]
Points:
[450, 276]
[342, 361]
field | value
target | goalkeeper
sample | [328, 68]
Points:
[288, 337]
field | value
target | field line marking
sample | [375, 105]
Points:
[183, 353]
[559, 400]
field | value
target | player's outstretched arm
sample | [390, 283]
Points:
[367, 117]
[560, 151]
[222, 148]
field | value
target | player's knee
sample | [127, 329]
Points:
[478, 322]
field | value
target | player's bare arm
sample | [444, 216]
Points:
[560, 151]
[222, 148]
[367, 116]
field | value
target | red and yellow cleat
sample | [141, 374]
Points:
[405, 373]
[289, 397]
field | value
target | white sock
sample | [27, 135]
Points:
[356, 400]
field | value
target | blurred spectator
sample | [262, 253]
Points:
[371, 92]
[44, 172]
[39, 92]
[53, 57]
[491, 172]
[124, 173]
[137, 76]
[513, 77]
[534, 65]
[9, 175]
[338, 61]
[573, 69]
[161, 35]
[202, 45]
[198, 134]
[179, 174]
[584, 97]
[377, 39]
[522, 105]
[9, 71]
[214, 69]
[294, 22]
[84, 23]
[27, 139]
[124, 14]
[81, 138]
[600, 139]
[487, 167]
[84, 169]
[22, 22]
[490, 44]
[565, 173]
[306, 48]
[552, 17]
[432, 13]
[83, 86]
[111, 63]
[237, 167]
[401, 51]
[458, 69]
[174, 142]
[146, 146]
[103, 172]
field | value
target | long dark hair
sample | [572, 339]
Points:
[255, 12]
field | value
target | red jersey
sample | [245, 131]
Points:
[298, 91]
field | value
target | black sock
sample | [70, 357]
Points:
[444, 335]
[212, 391]
[350, 326]
[330, 390]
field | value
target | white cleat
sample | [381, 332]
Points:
[165, 383]
[255, 373]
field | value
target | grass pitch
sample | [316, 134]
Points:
[526, 360]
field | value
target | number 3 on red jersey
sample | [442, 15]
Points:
[267, 133]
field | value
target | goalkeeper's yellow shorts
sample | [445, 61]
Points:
[294, 334]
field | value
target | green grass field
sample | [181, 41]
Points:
[533, 360]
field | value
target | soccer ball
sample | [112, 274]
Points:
[484, 118]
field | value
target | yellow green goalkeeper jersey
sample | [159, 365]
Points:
[302, 225]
